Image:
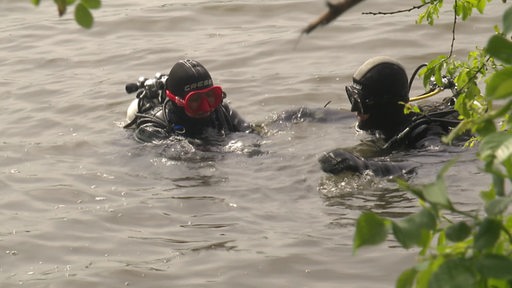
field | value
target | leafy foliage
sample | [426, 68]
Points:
[83, 15]
[471, 249]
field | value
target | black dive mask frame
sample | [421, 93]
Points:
[354, 94]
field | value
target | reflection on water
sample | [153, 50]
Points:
[367, 193]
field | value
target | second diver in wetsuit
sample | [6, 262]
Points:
[378, 95]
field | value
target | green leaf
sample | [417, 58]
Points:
[508, 222]
[495, 266]
[36, 2]
[458, 232]
[485, 127]
[83, 16]
[371, 229]
[425, 270]
[439, 74]
[436, 192]
[91, 4]
[508, 166]
[453, 273]
[414, 230]
[507, 21]
[497, 206]
[500, 48]
[504, 151]
[457, 131]
[498, 184]
[414, 190]
[488, 195]
[488, 233]
[481, 6]
[491, 144]
[499, 85]
[406, 278]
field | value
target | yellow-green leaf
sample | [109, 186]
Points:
[83, 16]
[91, 4]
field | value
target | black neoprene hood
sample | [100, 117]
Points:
[382, 80]
[186, 76]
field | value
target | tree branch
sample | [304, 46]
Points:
[335, 10]
[453, 29]
[398, 11]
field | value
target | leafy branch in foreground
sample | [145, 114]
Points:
[83, 15]
[459, 248]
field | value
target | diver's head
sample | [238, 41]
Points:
[190, 86]
[379, 89]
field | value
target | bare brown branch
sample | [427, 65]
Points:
[335, 10]
[453, 29]
[397, 11]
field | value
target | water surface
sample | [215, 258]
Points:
[84, 205]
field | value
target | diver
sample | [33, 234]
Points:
[378, 95]
[183, 103]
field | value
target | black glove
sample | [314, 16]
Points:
[148, 133]
[339, 160]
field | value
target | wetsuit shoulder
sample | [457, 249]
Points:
[426, 135]
[425, 129]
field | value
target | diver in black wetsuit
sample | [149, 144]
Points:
[185, 102]
[378, 95]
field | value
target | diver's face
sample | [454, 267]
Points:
[361, 106]
[381, 117]
[369, 121]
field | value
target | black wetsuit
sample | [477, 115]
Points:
[166, 120]
[419, 131]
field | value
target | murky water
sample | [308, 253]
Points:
[84, 205]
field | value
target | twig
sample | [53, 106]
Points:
[453, 29]
[335, 10]
[398, 11]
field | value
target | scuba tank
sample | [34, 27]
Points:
[150, 95]
[132, 110]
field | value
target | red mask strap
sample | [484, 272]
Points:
[175, 98]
